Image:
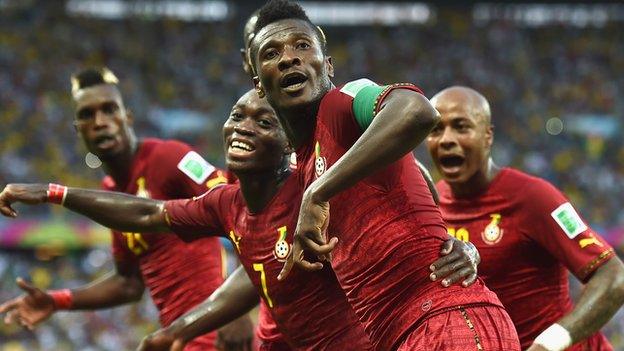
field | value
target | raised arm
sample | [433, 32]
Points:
[404, 119]
[235, 297]
[117, 211]
[402, 123]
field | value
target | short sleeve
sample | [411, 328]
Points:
[192, 219]
[368, 97]
[555, 225]
[187, 173]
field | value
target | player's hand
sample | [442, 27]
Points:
[309, 236]
[29, 309]
[459, 261]
[537, 347]
[31, 194]
[236, 336]
[161, 340]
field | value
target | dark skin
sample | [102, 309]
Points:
[461, 149]
[235, 297]
[105, 126]
[292, 47]
[261, 173]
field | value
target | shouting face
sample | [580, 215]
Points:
[293, 71]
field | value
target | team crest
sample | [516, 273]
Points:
[492, 233]
[320, 163]
[282, 247]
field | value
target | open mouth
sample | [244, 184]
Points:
[105, 141]
[451, 161]
[293, 81]
[239, 146]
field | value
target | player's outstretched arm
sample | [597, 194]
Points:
[235, 297]
[602, 297]
[35, 306]
[405, 119]
[118, 211]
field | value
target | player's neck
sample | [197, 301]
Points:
[478, 183]
[299, 122]
[259, 188]
[119, 167]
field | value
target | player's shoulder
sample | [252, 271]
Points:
[169, 146]
[525, 187]
[353, 87]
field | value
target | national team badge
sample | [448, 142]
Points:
[282, 247]
[320, 163]
[492, 233]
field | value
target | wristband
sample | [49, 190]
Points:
[63, 299]
[56, 193]
[554, 338]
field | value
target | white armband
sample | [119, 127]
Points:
[554, 338]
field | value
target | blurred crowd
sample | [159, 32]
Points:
[532, 77]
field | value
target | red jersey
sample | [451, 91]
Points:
[178, 275]
[529, 236]
[389, 227]
[309, 308]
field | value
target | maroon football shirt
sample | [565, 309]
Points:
[178, 275]
[528, 236]
[309, 308]
[390, 232]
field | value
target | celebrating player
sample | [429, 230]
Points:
[528, 233]
[178, 275]
[351, 144]
[255, 216]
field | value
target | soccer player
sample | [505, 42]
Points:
[353, 146]
[178, 275]
[255, 213]
[528, 233]
[256, 216]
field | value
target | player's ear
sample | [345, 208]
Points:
[130, 117]
[246, 65]
[259, 88]
[330, 66]
[489, 135]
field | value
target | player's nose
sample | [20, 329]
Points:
[448, 138]
[245, 126]
[289, 58]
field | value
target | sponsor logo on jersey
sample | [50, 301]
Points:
[591, 240]
[492, 233]
[320, 162]
[569, 221]
[195, 167]
[282, 247]
[354, 87]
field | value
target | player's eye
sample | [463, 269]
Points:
[270, 54]
[264, 123]
[85, 114]
[235, 116]
[109, 108]
[303, 45]
[436, 131]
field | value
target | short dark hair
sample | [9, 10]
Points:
[92, 76]
[277, 10]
